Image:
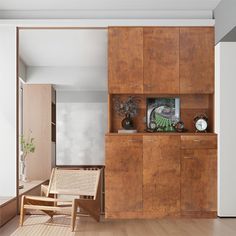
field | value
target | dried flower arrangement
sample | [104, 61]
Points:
[127, 109]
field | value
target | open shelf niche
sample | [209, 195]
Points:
[190, 106]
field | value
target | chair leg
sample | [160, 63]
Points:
[22, 211]
[73, 214]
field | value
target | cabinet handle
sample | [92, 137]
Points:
[188, 157]
[196, 140]
[148, 140]
[134, 140]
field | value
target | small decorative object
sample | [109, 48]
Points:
[27, 146]
[201, 122]
[152, 125]
[179, 126]
[162, 114]
[127, 122]
[127, 109]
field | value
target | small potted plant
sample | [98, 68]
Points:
[127, 109]
[27, 146]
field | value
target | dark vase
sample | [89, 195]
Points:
[127, 122]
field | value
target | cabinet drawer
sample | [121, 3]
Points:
[198, 142]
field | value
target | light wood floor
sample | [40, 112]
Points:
[39, 225]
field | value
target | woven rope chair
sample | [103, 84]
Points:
[82, 184]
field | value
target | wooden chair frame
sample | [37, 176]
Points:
[49, 204]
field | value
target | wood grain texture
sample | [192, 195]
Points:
[32, 191]
[109, 115]
[199, 214]
[125, 59]
[161, 175]
[197, 60]
[199, 142]
[194, 101]
[161, 60]
[37, 114]
[123, 175]
[211, 113]
[198, 181]
[7, 211]
[86, 226]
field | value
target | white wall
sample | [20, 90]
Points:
[8, 111]
[225, 127]
[81, 127]
[81, 78]
[225, 18]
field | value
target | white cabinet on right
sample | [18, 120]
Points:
[225, 116]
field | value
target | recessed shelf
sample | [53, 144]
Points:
[190, 106]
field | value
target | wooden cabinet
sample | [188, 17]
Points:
[161, 175]
[158, 175]
[161, 60]
[37, 117]
[196, 60]
[199, 179]
[125, 60]
[123, 176]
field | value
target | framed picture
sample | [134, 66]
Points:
[162, 113]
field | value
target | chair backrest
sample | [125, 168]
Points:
[74, 182]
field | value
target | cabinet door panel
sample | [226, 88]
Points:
[161, 175]
[161, 60]
[125, 60]
[198, 180]
[197, 60]
[123, 174]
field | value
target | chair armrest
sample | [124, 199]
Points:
[46, 199]
[44, 190]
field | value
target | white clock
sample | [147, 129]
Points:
[201, 123]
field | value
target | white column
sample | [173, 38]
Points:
[7, 111]
[226, 127]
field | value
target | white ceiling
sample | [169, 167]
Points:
[107, 9]
[63, 48]
[108, 4]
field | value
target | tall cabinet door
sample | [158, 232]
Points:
[161, 175]
[198, 181]
[37, 123]
[123, 176]
[197, 60]
[125, 60]
[161, 60]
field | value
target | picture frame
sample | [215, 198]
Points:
[162, 113]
